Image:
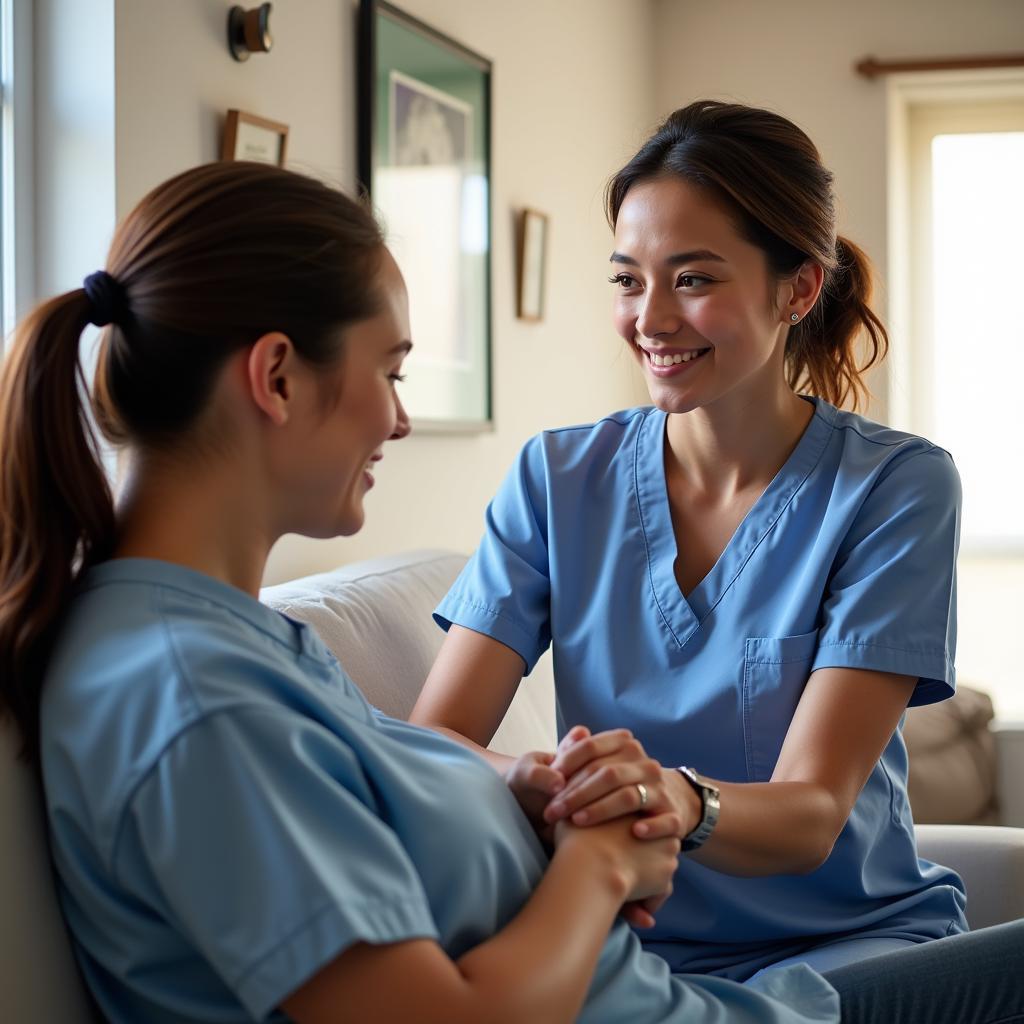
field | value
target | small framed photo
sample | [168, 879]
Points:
[532, 238]
[424, 118]
[248, 137]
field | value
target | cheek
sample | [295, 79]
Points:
[723, 323]
[624, 318]
[387, 415]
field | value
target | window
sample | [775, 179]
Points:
[16, 279]
[5, 94]
[967, 217]
[956, 278]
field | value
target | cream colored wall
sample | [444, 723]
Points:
[797, 57]
[572, 95]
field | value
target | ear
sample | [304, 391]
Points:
[270, 367]
[801, 291]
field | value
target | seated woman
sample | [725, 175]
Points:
[750, 579]
[237, 834]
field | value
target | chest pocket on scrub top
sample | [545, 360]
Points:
[775, 671]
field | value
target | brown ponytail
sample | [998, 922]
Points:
[205, 264]
[821, 354]
[56, 512]
[769, 174]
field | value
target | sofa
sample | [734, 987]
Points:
[375, 617]
[963, 761]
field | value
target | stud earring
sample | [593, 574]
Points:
[794, 317]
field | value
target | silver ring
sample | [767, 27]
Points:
[642, 790]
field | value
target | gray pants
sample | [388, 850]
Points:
[974, 978]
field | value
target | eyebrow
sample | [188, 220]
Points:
[676, 259]
[403, 346]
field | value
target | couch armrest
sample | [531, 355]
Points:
[990, 860]
[1010, 771]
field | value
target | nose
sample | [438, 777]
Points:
[658, 314]
[402, 426]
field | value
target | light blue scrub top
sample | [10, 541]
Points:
[228, 814]
[846, 560]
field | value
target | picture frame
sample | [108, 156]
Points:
[424, 156]
[531, 263]
[248, 137]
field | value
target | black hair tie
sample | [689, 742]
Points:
[107, 298]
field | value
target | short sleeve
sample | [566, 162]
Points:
[504, 591]
[891, 600]
[256, 836]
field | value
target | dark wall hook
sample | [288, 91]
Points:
[249, 31]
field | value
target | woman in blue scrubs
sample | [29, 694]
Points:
[753, 582]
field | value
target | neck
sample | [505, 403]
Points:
[197, 513]
[722, 451]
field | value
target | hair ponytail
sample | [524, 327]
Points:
[822, 354]
[768, 174]
[56, 511]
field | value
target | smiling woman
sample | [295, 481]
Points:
[742, 577]
[781, 205]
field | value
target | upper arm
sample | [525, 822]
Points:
[470, 685]
[888, 630]
[504, 591]
[235, 839]
[497, 613]
[890, 606]
[360, 985]
[842, 724]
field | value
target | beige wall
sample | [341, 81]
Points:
[569, 105]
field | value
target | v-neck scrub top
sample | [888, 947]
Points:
[846, 560]
[228, 814]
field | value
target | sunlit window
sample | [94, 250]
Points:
[955, 283]
[977, 368]
[5, 91]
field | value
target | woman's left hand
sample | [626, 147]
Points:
[605, 773]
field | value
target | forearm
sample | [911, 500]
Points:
[554, 944]
[537, 968]
[501, 763]
[769, 828]
[840, 729]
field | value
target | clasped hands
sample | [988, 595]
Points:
[593, 779]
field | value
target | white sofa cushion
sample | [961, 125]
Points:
[376, 618]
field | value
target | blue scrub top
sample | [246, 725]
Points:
[846, 560]
[228, 814]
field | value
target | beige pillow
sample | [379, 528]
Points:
[952, 760]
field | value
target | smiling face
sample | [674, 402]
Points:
[342, 437]
[695, 300]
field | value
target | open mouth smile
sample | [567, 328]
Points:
[664, 363]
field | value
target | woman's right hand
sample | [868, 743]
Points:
[647, 866]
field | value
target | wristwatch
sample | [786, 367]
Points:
[710, 801]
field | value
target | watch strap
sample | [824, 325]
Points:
[710, 806]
